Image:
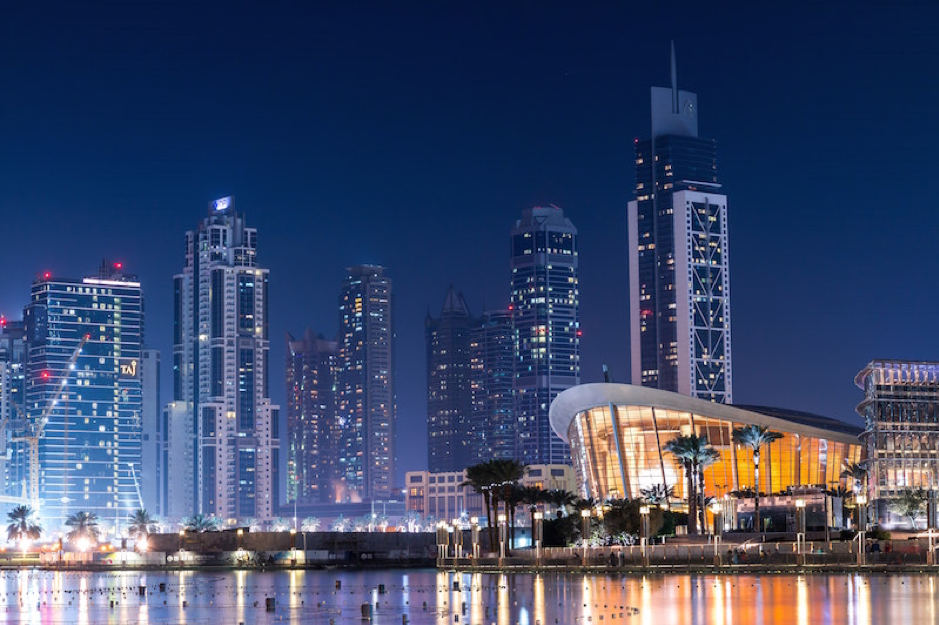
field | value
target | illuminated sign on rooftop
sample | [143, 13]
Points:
[222, 203]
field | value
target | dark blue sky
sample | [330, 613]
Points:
[412, 135]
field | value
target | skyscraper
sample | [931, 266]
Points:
[220, 372]
[544, 302]
[366, 384]
[152, 472]
[450, 443]
[12, 405]
[312, 423]
[493, 428]
[83, 393]
[679, 274]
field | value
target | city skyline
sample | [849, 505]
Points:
[557, 99]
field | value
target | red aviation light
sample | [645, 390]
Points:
[118, 265]
[44, 375]
[580, 333]
[3, 321]
[47, 275]
[646, 312]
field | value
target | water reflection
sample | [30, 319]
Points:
[31, 596]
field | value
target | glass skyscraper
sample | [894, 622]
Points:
[545, 310]
[492, 359]
[12, 405]
[86, 409]
[679, 272]
[366, 385]
[220, 375]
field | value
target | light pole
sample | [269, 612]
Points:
[800, 530]
[644, 534]
[862, 527]
[457, 541]
[502, 539]
[293, 547]
[537, 536]
[717, 513]
[474, 536]
[585, 534]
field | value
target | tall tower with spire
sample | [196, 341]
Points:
[679, 272]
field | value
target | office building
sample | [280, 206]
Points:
[901, 435]
[450, 440]
[618, 433]
[12, 405]
[493, 428]
[679, 271]
[152, 471]
[220, 372]
[366, 385]
[84, 395]
[312, 420]
[544, 304]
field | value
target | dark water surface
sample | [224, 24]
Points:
[428, 596]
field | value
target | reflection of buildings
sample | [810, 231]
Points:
[679, 273]
[545, 304]
[901, 413]
[615, 455]
[441, 496]
[92, 432]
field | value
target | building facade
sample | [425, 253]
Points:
[12, 405]
[366, 391]
[901, 435]
[451, 443]
[220, 371]
[493, 428]
[679, 269]
[617, 434]
[545, 308]
[151, 474]
[313, 431]
[441, 495]
[84, 394]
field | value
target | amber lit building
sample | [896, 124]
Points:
[617, 433]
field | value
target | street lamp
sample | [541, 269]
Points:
[293, 546]
[585, 534]
[861, 501]
[502, 537]
[474, 535]
[536, 535]
[644, 533]
[800, 528]
[457, 541]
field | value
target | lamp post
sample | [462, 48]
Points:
[293, 546]
[800, 530]
[182, 537]
[502, 538]
[585, 534]
[537, 536]
[644, 534]
[457, 541]
[861, 526]
[474, 536]
[718, 520]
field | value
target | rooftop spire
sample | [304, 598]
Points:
[674, 81]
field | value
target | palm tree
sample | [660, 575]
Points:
[339, 524]
[842, 493]
[83, 525]
[704, 457]
[252, 524]
[561, 499]
[857, 472]
[503, 475]
[533, 495]
[201, 523]
[280, 524]
[479, 477]
[754, 437]
[657, 494]
[683, 448]
[310, 524]
[21, 524]
[142, 524]
[512, 500]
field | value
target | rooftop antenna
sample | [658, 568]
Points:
[674, 82]
[606, 375]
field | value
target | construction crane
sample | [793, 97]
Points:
[32, 437]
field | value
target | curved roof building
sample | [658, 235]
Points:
[617, 433]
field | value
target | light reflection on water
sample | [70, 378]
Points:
[504, 599]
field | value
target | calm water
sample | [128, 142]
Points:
[311, 597]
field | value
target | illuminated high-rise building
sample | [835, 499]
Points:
[312, 424]
[679, 272]
[83, 394]
[493, 427]
[220, 374]
[12, 405]
[545, 308]
[366, 392]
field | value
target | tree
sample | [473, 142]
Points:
[857, 473]
[339, 524]
[310, 524]
[21, 524]
[201, 523]
[479, 478]
[252, 524]
[684, 449]
[280, 524]
[842, 493]
[909, 504]
[84, 525]
[657, 494]
[142, 524]
[754, 437]
[704, 457]
[513, 497]
[504, 475]
[532, 496]
[561, 499]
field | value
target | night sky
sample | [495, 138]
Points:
[413, 134]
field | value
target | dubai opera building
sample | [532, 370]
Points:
[617, 433]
